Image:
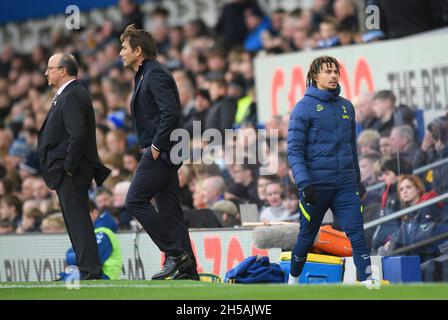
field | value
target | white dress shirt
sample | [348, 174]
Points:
[63, 86]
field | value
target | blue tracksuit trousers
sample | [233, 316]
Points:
[346, 207]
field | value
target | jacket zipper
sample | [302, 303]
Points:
[337, 137]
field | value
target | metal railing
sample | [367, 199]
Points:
[415, 172]
[403, 212]
[419, 244]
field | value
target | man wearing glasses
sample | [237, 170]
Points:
[69, 159]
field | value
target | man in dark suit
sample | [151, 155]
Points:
[69, 159]
[156, 112]
[221, 114]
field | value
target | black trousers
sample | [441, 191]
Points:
[73, 199]
[166, 226]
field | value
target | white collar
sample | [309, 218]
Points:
[63, 86]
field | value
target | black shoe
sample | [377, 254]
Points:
[172, 265]
[183, 275]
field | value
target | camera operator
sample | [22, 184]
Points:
[434, 147]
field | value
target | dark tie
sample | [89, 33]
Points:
[55, 100]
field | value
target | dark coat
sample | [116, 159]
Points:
[67, 140]
[322, 141]
[221, 115]
[155, 107]
[231, 23]
[422, 224]
[195, 115]
[440, 174]
[391, 204]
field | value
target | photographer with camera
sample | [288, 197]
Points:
[434, 148]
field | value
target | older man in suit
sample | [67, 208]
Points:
[155, 109]
[69, 159]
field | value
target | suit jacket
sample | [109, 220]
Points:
[155, 107]
[67, 139]
[221, 114]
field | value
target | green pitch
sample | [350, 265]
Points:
[191, 290]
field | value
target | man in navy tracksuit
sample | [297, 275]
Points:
[323, 158]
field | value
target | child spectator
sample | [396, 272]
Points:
[290, 202]
[275, 210]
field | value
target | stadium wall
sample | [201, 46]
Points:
[414, 68]
[41, 257]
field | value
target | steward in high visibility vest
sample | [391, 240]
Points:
[246, 111]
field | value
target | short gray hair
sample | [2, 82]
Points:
[406, 132]
[216, 183]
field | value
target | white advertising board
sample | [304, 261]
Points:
[414, 68]
[41, 257]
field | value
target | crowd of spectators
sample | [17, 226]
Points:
[214, 71]
[390, 149]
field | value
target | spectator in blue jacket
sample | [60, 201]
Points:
[256, 23]
[323, 158]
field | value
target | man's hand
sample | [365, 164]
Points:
[309, 195]
[155, 153]
[427, 142]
